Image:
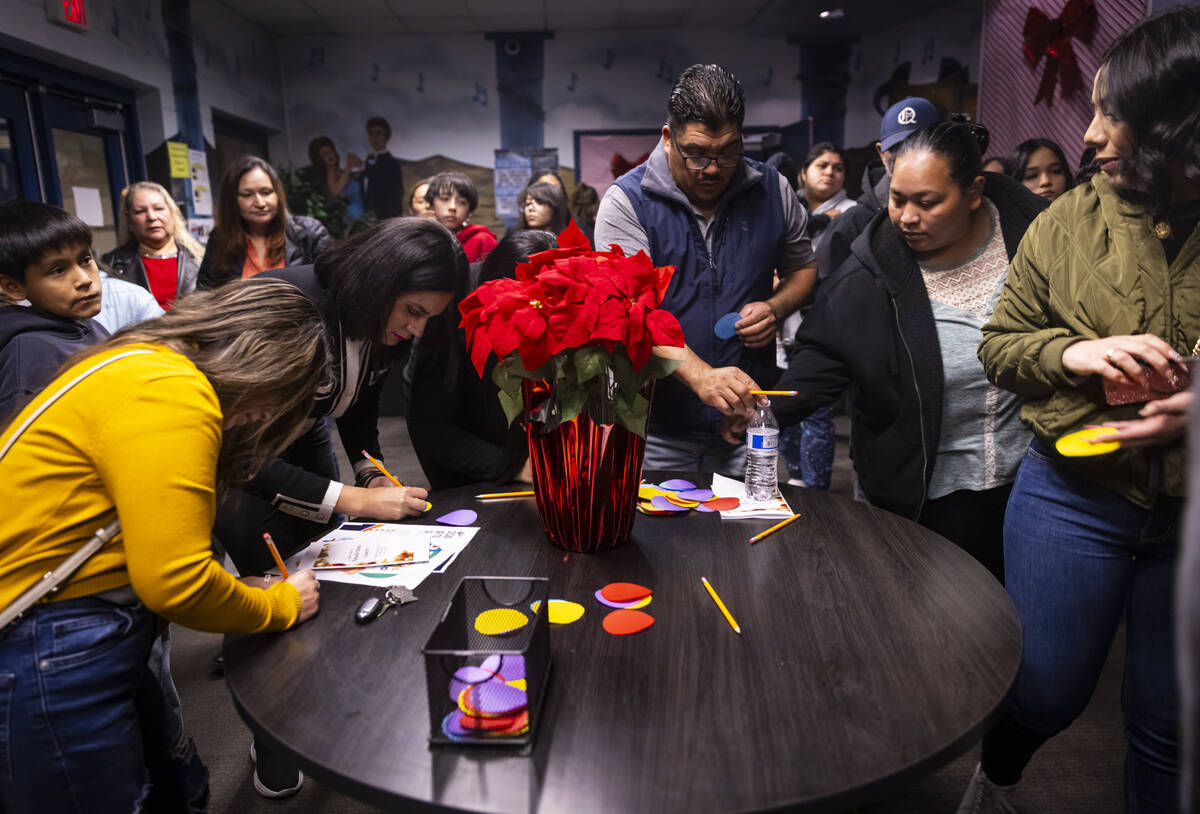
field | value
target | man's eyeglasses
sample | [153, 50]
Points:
[701, 162]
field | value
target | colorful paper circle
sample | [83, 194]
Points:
[561, 612]
[627, 622]
[468, 676]
[726, 325]
[493, 699]
[637, 603]
[500, 621]
[624, 591]
[459, 517]
[1078, 444]
[461, 727]
[510, 666]
[677, 485]
[664, 504]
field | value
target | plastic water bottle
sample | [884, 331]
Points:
[762, 454]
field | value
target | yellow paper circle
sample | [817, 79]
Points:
[1078, 444]
[519, 683]
[500, 621]
[646, 491]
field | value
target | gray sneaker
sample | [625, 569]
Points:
[985, 797]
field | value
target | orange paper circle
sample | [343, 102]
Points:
[624, 592]
[627, 622]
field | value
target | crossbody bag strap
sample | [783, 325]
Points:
[51, 580]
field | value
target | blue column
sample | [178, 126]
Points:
[177, 20]
[519, 73]
[824, 76]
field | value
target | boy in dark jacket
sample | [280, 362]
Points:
[45, 259]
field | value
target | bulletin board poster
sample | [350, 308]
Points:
[201, 228]
[512, 171]
[202, 203]
[605, 157]
[177, 158]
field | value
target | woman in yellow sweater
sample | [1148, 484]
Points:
[197, 401]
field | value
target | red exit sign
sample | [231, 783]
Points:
[69, 13]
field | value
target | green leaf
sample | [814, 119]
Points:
[590, 362]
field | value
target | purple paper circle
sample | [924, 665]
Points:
[696, 494]
[459, 517]
[725, 325]
[677, 485]
[661, 503]
[511, 667]
[618, 605]
[467, 676]
[495, 698]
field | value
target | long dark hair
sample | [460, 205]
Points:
[1148, 80]
[442, 350]
[1018, 160]
[954, 142]
[550, 195]
[367, 271]
[228, 238]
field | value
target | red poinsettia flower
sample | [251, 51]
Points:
[571, 297]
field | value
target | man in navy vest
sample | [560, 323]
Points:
[726, 223]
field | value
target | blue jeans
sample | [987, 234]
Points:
[807, 449]
[85, 724]
[1076, 558]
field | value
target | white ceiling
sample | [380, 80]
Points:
[288, 18]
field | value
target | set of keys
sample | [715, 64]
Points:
[374, 607]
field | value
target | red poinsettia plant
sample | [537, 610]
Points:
[579, 319]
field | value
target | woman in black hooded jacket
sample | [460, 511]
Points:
[897, 327]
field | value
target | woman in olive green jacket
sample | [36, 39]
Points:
[1104, 290]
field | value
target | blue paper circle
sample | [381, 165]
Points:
[725, 325]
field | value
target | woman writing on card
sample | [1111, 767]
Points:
[1103, 292]
[376, 291]
[458, 430]
[173, 411]
[898, 326]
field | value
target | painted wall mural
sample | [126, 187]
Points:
[925, 43]
[620, 80]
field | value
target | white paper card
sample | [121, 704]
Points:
[87, 205]
[441, 543]
[776, 507]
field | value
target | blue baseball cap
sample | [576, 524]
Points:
[903, 118]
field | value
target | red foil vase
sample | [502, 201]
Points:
[586, 471]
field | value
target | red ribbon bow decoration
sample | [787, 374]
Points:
[1052, 37]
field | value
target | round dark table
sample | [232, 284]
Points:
[874, 651]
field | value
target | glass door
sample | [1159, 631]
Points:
[20, 176]
[89, 161]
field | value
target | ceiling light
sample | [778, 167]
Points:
[832, 14]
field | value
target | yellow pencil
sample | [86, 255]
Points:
[504, 494]
[773, 529]
[774, 392]
[275, 555]
[379, 465]
[721, 605]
